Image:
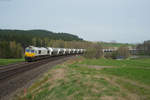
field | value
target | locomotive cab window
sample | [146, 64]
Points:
[27, 50]
[32, 51]
[48, 51]
[39, 52]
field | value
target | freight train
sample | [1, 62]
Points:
[36, 53]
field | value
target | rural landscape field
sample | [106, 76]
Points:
[97, 79]
[74, 50]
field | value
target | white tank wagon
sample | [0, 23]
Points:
[69, 51]
[64, 51]
[83, 51]
[35, 53]
[78, 51]
[74, 51]
[50, 51]
[55, 51]
[60, 51]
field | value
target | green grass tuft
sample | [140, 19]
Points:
[10, 61]
[137, 74]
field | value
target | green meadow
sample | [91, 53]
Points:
[10, 61]
[96, 79]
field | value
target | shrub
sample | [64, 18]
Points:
[94, 51]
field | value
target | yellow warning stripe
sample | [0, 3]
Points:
[27, 54]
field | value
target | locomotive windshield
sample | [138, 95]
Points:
[32, 51]
[27, 50]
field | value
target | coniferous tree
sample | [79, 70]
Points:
[34, 42]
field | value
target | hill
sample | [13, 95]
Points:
[25, 37]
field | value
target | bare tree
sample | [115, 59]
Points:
[94, 51]
[123, 51]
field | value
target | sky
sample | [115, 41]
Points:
[125, 21]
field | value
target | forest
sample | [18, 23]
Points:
[13, 42]
[25, 37]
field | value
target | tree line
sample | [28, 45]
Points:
[10, 49]
[121, 52]
[144, 48]
[25, 37]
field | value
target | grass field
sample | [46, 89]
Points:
[10, 61]
[85, 79]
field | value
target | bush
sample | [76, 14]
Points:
[10, 50]
[94, 51]
[123, 51]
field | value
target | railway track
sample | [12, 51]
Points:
[10, 65]
[14, 69]
[22, 75]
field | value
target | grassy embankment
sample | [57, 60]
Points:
[84, 79]
[10, 61]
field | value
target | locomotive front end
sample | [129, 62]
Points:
[29, 54]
